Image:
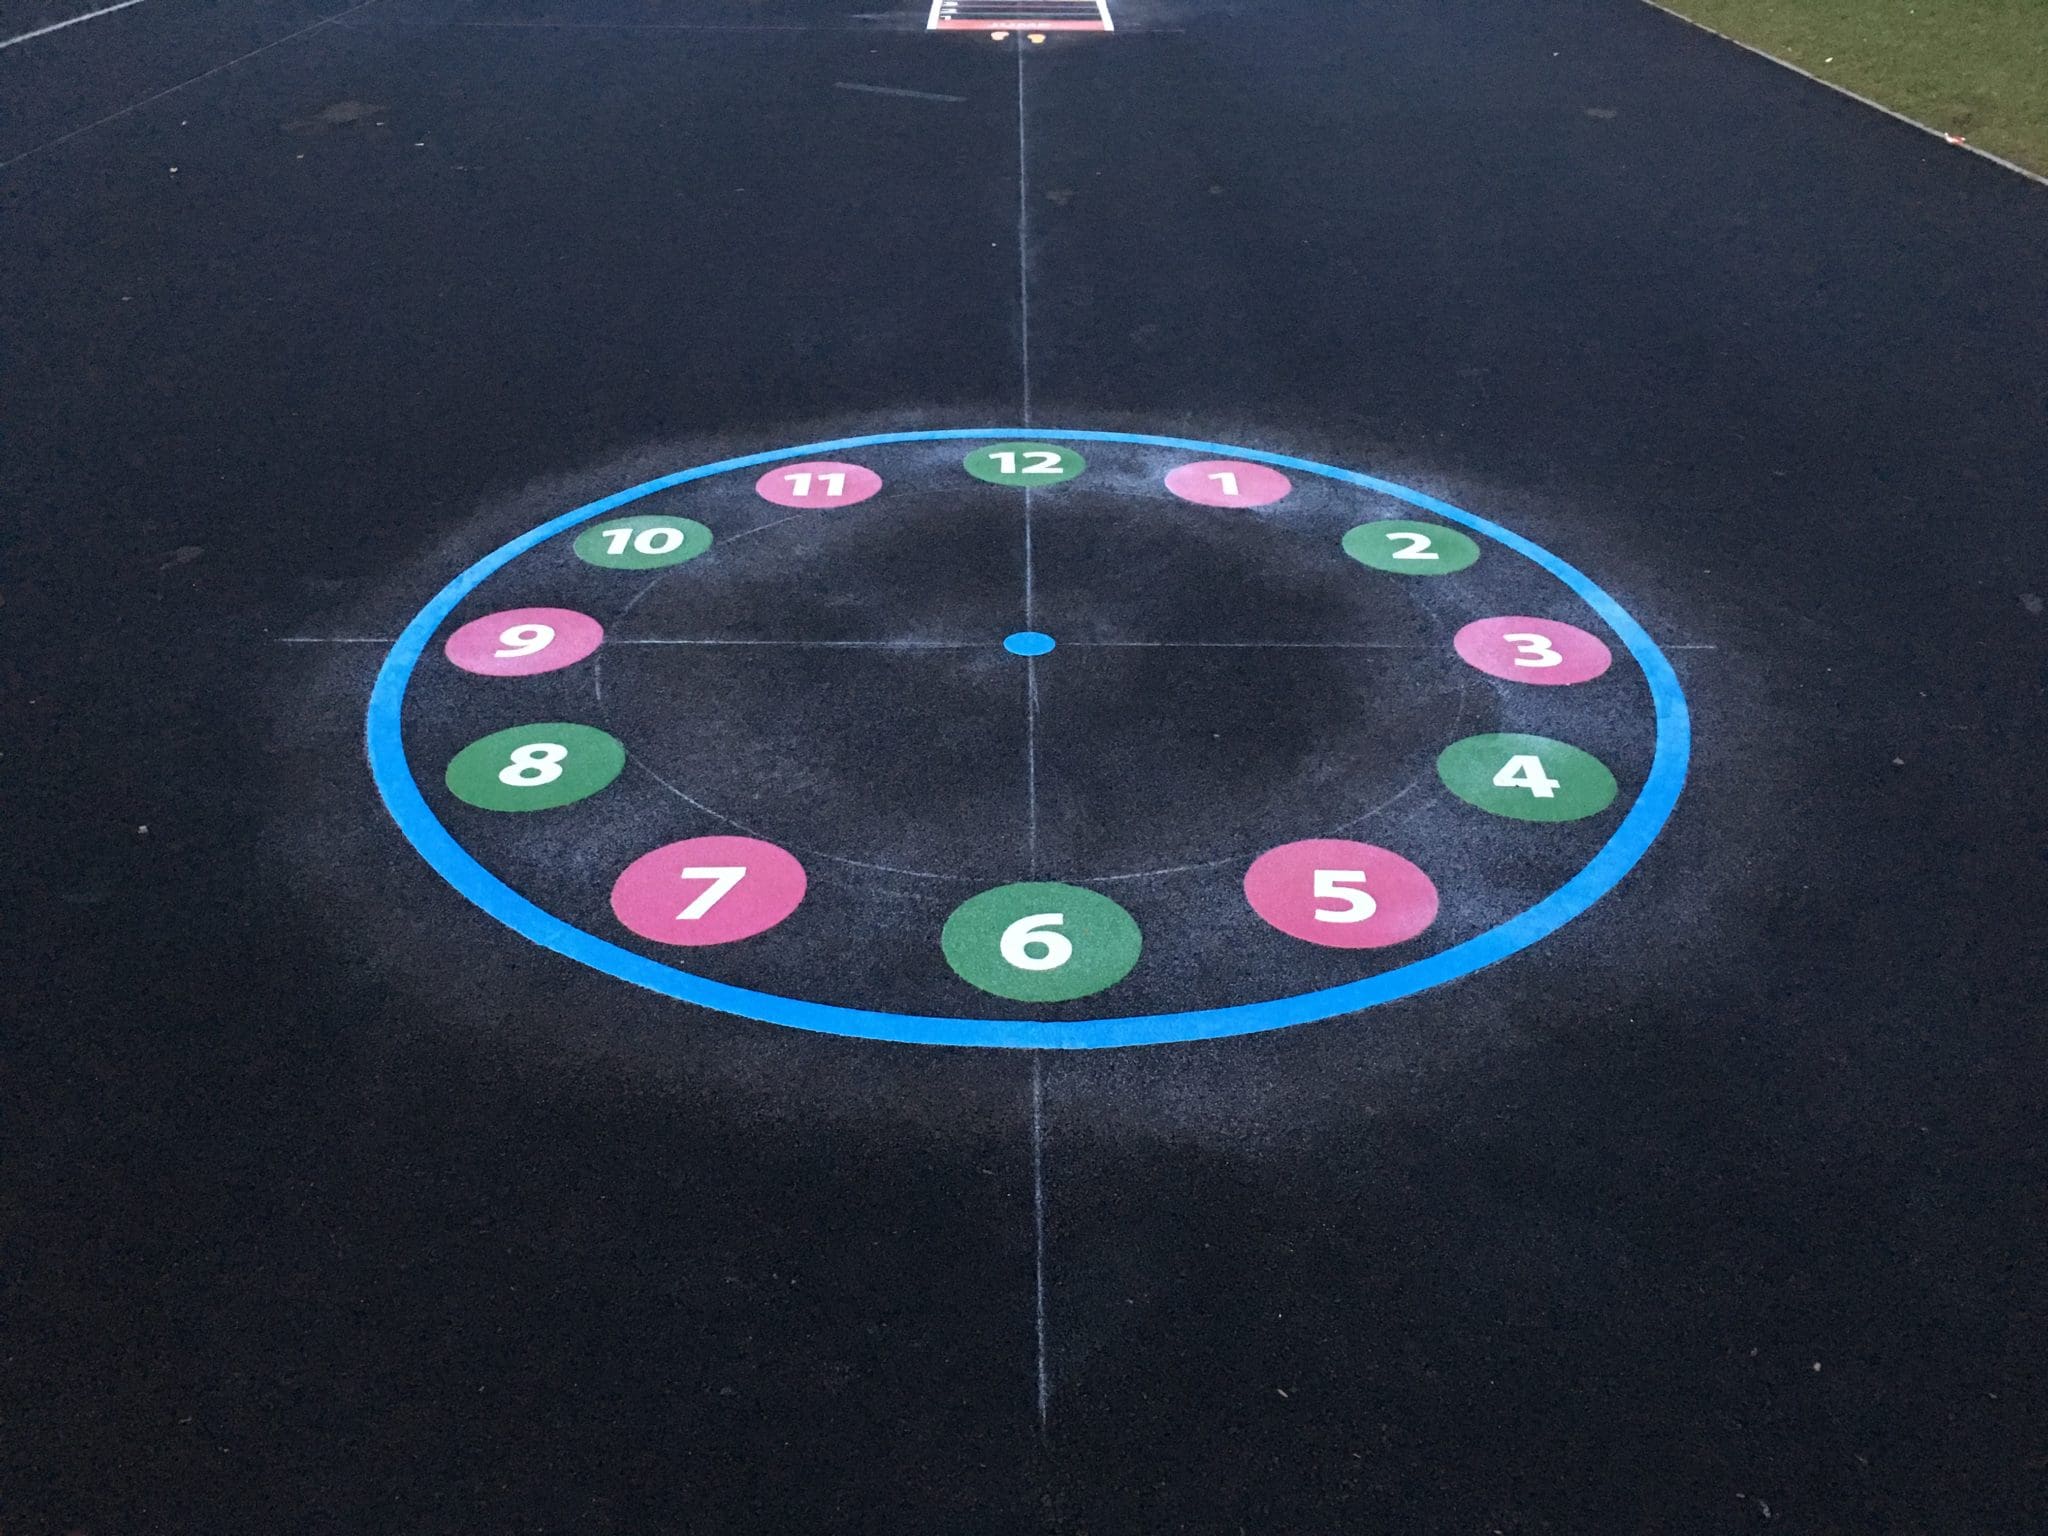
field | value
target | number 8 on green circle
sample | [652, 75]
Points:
[535, 767]
[1041, 942]
[1405, 548]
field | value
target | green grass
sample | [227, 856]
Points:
[1978, 68]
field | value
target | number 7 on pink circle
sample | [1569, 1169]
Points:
[708, 890]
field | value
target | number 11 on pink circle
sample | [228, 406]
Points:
[820, 484]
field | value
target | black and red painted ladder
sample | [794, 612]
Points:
[1020, 16]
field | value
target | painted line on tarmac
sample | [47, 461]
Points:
[137, 106]
[1843, 90]
[890, 90]
[59, 26]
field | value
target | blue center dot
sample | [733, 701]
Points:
[1028, 642]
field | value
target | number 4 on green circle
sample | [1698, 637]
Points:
[1526, 778]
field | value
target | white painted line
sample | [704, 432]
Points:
[1843, 90]
[1107, 24]
[1038, 1229]
[931, 22]
[831, 645]
[59, 26]
[1023, 241]
[890, 90]
[137, 106]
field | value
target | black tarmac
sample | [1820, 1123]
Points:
[329, 1205]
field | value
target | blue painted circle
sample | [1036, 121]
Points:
[1638, 829]
[1028, 642]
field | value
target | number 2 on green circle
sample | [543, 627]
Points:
[1417, 546]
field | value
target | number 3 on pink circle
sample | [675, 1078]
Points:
[1525, 650]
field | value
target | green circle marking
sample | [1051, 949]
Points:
[535, 767]
[1530, 778]
[1090, 942]
[1409, 548]
[1024, 464]
[644, 543]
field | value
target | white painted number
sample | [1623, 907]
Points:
[526, 639]
[800, 484]
[1535, 649]
[1418, 546]
[1228, 481]
[1041, 463]
[1028, 933]
[722, 878]
[648, 541]
[1347, 886]
[535, 764]
[1526, 772]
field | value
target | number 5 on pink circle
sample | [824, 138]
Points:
[1340, 894]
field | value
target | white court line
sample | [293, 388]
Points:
[931, 23]
[1023, 241]
[893, 90]
[861, 645]
[1038, 1227]
[1103, 7]
[59, 26]
[137, 106]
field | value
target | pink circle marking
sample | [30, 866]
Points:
[656, 890]
[1370, 897]
[1228, 483]
[1525, 650]
[822, 484]
[510, 644]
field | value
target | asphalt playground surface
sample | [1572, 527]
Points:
[328, 1202]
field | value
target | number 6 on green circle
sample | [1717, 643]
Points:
[1041, 942]
[535, 767]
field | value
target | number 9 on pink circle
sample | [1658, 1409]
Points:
[1339, 894]
[520, 642]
